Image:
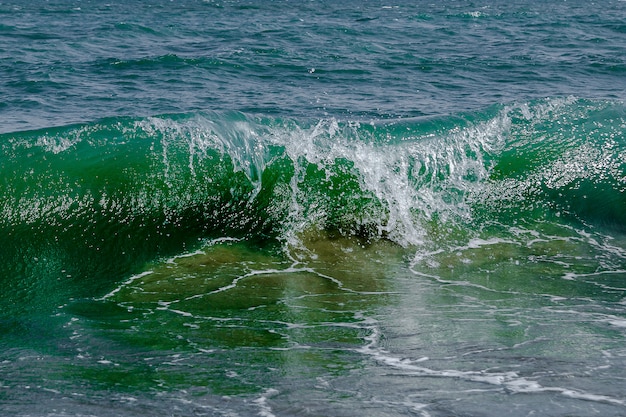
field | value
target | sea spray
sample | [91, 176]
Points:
[219, 173]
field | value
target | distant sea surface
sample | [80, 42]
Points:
[281, 208]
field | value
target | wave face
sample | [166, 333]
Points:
[101, 199]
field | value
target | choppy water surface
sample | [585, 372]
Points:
[240, 209]
[67, 61]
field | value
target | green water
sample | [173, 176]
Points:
[526, 321]
[227, 264]
[238, 208]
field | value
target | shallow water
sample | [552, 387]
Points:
[236, 329]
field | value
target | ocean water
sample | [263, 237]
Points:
[314, 208]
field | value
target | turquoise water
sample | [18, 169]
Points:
[277, 209]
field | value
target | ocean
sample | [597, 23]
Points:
[313, 208]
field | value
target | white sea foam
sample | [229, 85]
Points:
[126, 283]
[265, 410]
[510, 381]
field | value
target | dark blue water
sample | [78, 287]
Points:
[77, 61]
[255, 208]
